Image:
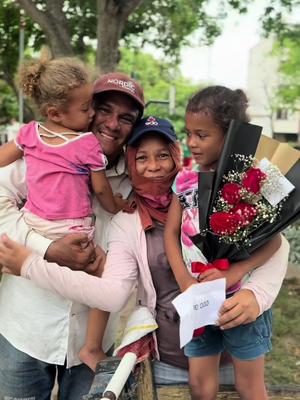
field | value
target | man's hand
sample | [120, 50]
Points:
[97, 267]
[239, 309]
[73, 250]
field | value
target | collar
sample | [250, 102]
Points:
[118, 169]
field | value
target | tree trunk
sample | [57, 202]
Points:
[112, 16]
[53, 23]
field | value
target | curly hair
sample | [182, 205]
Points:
[49, 82]
[221, 103]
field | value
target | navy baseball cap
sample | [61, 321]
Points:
[153, 124]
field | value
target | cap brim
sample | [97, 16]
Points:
[136, 137]
[140, 104]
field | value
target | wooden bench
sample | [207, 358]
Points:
[140, 386]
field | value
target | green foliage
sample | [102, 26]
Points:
[9, 38]
[287, 48]
[8, 104]
[282, 363]
[157, 77]
[292, 234]
[167, 24]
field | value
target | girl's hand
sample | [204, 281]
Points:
[212, 274]
[12, 255]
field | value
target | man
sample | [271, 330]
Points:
[42, 333]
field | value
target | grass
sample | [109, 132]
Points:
[283, 362]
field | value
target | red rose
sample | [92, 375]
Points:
[231, 193]
[247, 212]
[253, 179]
[224, 223]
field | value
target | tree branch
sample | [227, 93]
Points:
[53, 23]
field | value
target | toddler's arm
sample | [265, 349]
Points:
[9, 152]
[173, 248]
[104, 194]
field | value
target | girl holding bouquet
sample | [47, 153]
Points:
[207, 119]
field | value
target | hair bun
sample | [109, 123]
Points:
[241, 96]
[30, 72]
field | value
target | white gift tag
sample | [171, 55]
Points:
[199, 306]
[276, 187]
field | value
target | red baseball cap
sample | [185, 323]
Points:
[119, 82]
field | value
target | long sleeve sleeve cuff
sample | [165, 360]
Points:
[25, 269]
[37, 243]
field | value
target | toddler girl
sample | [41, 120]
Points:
[207, 119]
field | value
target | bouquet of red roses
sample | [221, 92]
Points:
[241, 206]
[245, 202]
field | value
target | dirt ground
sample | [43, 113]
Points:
[180, 393]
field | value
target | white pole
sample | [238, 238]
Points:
[172, 100]
[21, 56]
[119, 378]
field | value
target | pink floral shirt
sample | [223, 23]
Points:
[185, 187]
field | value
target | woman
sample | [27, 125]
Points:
[136, 253]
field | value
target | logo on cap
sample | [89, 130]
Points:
[124, 84]
[151, 121]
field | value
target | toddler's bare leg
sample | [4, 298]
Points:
[92, 352]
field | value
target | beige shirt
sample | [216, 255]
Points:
[36, 321]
